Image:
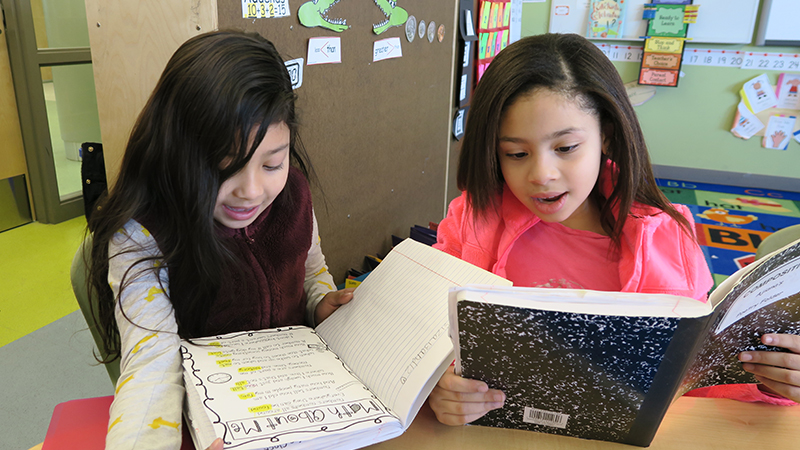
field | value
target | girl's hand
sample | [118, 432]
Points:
[331, 302]
[216, 445]
[458, 401]
[779, 372]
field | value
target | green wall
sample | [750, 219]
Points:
[689, 126]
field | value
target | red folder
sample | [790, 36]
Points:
[83, 423]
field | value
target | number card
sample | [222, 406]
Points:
[771, 61]
[295, 69]
[713, 57]
[458, 123]
[262, 9]
[627, 53]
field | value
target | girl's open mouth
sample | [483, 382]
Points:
[551, 199]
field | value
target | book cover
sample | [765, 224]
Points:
[606, 365]
[582, 375]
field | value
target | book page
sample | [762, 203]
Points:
[393, 334]
[275, 387]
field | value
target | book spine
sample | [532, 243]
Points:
[687, 341]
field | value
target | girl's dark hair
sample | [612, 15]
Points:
[569, 65]
[216, 98]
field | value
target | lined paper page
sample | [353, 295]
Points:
[393, 334]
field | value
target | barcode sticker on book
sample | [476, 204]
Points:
[543, 417]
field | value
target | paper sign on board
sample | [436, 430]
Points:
[324, 50]
[663, 45]
[386, 49]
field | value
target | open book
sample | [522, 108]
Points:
[607, 365]
[359, 378]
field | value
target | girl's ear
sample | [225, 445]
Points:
[607, 132]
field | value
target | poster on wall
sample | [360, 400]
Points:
[605, 18]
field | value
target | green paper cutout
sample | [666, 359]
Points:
[668, 22]
[315, 14]
[395, 15]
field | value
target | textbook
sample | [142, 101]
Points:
[607, 365]
[359, 378]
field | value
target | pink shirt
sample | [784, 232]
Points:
[551, 255]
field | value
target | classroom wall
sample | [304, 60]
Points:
[689, 126]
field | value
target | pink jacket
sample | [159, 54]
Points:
[656, 256]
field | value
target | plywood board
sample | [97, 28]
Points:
[131, 43]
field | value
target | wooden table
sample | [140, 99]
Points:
[690, 424]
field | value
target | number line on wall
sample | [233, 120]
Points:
[742, 59]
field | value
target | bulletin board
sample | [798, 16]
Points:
[718, 21]
[377, 132]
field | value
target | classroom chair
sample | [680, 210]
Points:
[77, 275]
[778, 240]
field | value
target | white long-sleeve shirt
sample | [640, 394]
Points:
[147, 407]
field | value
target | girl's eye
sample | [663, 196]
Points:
[273, 168]
[566, 149]
[517, 155]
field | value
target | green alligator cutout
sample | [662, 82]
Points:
[314, 13]
[395, 15]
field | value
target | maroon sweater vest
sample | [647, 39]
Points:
[267, 291]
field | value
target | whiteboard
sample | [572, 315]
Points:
[718, 21]
[779, 23]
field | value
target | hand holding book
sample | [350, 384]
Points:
[331, 302]
[778, 372]
[458, 401]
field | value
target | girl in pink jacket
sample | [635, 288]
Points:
[558, 192]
